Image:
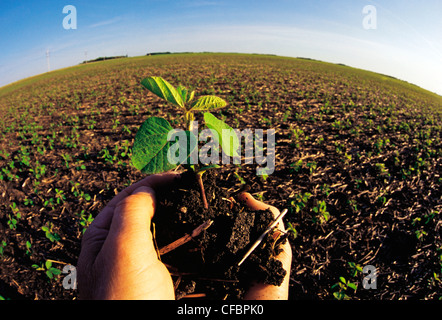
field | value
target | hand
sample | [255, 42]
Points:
[118, 259]
[261, 291]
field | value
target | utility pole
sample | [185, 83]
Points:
[85, 56]
[47, 60]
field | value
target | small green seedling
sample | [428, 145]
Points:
[13, 219]
[343, 285]
[299, 202]
[355, 269]
[28, 248]
[291, 228]
[85, 221]
[2, 247]
[182, 98]
[49, 233]
[12, 222]
[51, 272]
[322, 215]
[153, 146]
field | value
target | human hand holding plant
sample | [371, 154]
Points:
[118, 259]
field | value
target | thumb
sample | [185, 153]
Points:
[261, 291]
[132, 219]
[255, 204]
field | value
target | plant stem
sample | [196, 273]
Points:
[189, 117]
[199, 177]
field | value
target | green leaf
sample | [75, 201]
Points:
[352, 285]
[185, 94]
[190, 96]
[163, 89]
[150, 146]
[340, 295]
[186, 142]
[55, 271]
[56, 237]
[205, 103]
[229, 141]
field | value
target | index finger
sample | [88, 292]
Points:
[155, 181]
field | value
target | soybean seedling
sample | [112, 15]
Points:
[51, 272]
[343, 285]
[50, 234]
[154, 144]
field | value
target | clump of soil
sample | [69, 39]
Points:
[208, 263]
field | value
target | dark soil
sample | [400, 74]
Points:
[208, 264]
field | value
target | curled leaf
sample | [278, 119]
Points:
[206, 103]
[163, 89]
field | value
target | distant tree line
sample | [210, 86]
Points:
[168, 52]
[157, 53]
[104, 58]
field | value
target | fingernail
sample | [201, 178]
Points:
[144, 189]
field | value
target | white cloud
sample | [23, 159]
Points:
[105, 22]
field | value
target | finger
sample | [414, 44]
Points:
[156, 181]
[128, 220]
[129, 238]
[133, 215]
[255, 204]
[97, 232]
[260, 291]
[103, 220]
[94, 237]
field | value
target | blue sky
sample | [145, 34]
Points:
[407, 41]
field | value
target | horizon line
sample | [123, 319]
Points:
[108, 58]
